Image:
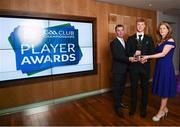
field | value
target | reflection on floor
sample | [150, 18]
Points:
[95, 110]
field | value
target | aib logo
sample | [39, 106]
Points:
[37, 48]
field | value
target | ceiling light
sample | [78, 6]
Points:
[150, 5]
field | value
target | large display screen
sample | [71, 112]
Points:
[34, 47]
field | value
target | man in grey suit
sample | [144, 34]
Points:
[119, 68]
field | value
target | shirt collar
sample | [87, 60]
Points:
[119, 38]
[139, 33]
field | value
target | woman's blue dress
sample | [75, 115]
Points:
[164, 79]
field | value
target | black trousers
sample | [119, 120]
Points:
[144, 80]
[119, 81]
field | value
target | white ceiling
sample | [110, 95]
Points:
[170, 7]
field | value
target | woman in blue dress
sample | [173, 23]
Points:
[164, 80]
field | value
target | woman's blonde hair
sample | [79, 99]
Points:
[169, 34]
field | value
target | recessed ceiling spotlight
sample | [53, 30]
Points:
[150, 5]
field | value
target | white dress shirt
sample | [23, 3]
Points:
[140, 33]
[122, 41]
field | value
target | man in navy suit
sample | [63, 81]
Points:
[139, 44]
[119, 68]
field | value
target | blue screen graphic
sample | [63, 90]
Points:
[33, 47]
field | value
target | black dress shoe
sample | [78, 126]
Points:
[143, 114]
[119, 112]
[123, 105]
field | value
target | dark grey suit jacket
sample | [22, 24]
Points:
[119, 58]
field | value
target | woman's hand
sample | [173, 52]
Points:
[144, 59]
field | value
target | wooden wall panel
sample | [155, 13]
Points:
[62, 87]
[15, 93]
[58, 87]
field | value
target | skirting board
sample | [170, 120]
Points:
[53, 101]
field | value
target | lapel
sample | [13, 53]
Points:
[145, 40]
[119, 43]
[135, 39]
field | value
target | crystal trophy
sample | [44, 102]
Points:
[138, 47]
